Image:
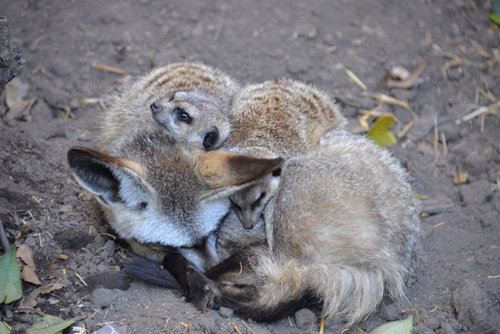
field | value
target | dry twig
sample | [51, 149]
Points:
[106, 68]
[353, 77]
[491, 109]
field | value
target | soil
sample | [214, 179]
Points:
[457, 286]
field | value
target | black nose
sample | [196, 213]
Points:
[155, 106]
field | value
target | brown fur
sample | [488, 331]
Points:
[283, 117]
[341, 232]
[129, 110]
[155, 195]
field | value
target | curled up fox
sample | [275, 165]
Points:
[341, 229]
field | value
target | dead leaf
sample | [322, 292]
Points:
[62, 256]
[22, 110]
[15, 92]
[31, 302]
[51, 287]
[29, 275]
[460, 177]
[26, 254]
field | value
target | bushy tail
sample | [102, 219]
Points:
[343, 292]
[151, 272]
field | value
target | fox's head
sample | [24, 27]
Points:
[155, 194]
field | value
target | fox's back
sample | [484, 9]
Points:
[348, 201]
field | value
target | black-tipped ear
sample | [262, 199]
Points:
[93, 174]
[111, 179]
[211, 138]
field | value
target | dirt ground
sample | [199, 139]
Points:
[457, 286]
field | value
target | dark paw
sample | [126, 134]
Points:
[201, 290]
[240, 293]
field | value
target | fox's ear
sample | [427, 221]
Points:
[111, 179]
[223, 169]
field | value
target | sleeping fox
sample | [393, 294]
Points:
[341, 231]
[159, 198]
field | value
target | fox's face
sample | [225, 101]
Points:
[157, 195]
[193, 118]
[250, 202]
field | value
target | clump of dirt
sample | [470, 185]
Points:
[67, 46]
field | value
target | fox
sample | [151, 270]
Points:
[161, 199]
[277, 118]
[193, 97]
[342, 233]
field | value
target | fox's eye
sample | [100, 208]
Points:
[182, 115]
[257, 202]
[143, 205]
[277, 172]
[235, 206]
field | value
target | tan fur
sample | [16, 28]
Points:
[215, 168]
[155, 195]
[342, 226]
[197, 85]
[282, 117]
[285, 116]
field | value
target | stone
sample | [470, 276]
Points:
[304, 318]
[225, 312]
[475, 309]
[446, 328]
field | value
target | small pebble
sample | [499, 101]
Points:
[226, 312]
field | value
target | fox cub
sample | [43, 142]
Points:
[192, 98]
[282, 117]
[341, 231]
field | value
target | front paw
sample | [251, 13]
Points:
[201, 290]
[237, 293]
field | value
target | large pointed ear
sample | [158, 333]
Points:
[223, 169]
[111, 179]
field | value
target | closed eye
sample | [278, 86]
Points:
[235, 206]
[257, 202]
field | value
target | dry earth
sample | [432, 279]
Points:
[457, 288]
